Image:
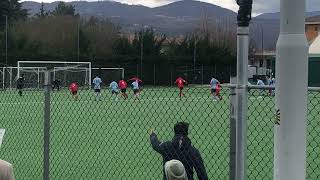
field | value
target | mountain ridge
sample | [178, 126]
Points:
[177, 18]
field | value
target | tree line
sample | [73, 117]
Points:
[63, 35]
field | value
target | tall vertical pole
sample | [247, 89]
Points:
[3, 77]
[78, 43]
[262, 43]
[6, 40]
[291, 98]
[141, 53]
[171, 76]
[194, 57]
[242, 101]
[202, 74]
[18, 69]
[38, 78]
[46, 128]
[154, 74]
[90, 74]
[10, 82]
[244, 17]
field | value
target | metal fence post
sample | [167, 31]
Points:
[171, 76]
[242, 75]
[46, 127]
[202, 74]
[154, 74]
[233, 135]
[243, 19]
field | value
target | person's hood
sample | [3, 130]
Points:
[182, 142]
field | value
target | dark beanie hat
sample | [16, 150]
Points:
[181, 128]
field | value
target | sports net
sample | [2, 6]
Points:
[34, 77]
[64, 72]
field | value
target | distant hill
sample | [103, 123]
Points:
[194, 9]
[186, 8]
[176, 18]
[276, 16]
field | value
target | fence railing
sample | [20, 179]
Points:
[108, 139]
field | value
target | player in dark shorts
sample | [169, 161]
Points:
[20, 84]
[180, 82]
[136, 89]
[114, 89]
[97, 87]
[123, 87]
[74, 90]
[116, 92]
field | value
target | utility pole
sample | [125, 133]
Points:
[141, 53]
[262, 43]
[194, 56]
[78, 29]
[6, 40]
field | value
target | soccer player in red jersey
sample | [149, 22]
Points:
[218, 89]
[123, 87]
[180, 82]
[74, 90]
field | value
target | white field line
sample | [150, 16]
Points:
[193, 99]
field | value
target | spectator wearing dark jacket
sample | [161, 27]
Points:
[180, 148]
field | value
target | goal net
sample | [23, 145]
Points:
[9, 76]
[108, 74]
[65, 72]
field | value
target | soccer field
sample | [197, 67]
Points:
[108, 139]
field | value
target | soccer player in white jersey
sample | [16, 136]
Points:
[215, 89]
[136, 89]
[114, 89]
[97, 87]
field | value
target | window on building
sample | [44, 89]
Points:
[316, 28]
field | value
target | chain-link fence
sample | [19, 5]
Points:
[108, 139]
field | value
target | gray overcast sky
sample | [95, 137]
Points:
[260, 6]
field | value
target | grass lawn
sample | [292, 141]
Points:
[108, 140]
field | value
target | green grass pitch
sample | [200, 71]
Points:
[108, 139]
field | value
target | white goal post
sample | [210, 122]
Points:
[66, 72]
[69, 71]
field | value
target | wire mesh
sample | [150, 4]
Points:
[22, 117]
[108, 139]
